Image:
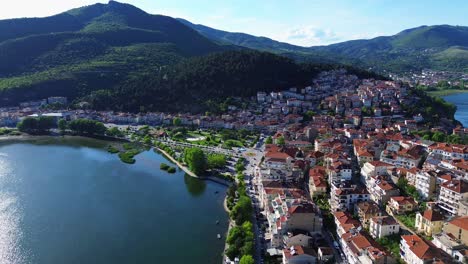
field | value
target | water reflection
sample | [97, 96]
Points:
[10, 231]
[195, 186]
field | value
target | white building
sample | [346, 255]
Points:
[452, 193]
[382, 226]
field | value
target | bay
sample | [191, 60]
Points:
[69, 201]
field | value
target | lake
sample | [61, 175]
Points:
[69, 201]
[461, 101]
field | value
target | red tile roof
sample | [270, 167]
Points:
[459, 186]
[461, 222]
[432, 215]
[420, 248]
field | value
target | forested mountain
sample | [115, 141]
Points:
[115, 56]
[89, 48]
[203, 83]
[440, 47]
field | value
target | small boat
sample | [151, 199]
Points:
[219, 236]
[217, 222]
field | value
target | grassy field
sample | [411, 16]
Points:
[441, 93]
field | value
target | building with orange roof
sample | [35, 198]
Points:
[345, 222]
[449, 151]
[429, 222]
[458, 227]
[401, 205]
[299, 254]
[359, 248]
[414, 249]
[381, 190]
[344, 196]
[366, 210]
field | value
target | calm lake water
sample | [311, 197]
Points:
[461, 101]
[63, 201]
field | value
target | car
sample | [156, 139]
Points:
[336, 245]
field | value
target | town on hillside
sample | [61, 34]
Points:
[349, 170]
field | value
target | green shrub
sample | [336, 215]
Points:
[164, 166]
[112, 149]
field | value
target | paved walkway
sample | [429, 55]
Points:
[185, 169]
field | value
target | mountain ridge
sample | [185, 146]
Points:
[117, 57]
[402, 50]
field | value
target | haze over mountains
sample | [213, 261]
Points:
[441, 47]
[116, 56]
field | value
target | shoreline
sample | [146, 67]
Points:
[230, 225]
[443, 93]
[182, 167]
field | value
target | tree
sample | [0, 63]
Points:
[308, 115]
[195, 159]
[269, 140]
[216, 161]
[177, 121]
[114, 132]
[438, 137]
[36, 125]
[86, 126]
[242, 211]
[281, 141]
[62, 125]
[247, 259]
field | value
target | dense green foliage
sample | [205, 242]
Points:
[240, 240]
[87, 58]
[391, 243]
[247, 259]
[431, 108]
[111, 149]
[34, 125]
[196, 160]
[280, 141]
[128, 156]
[242, 211]
[406, 189]
[114, 132]
[216, 161]
[84, 50]
[164, 166]
[86, 126]
[202, 84]
[441, 47]
[167, 168]
[442, 137]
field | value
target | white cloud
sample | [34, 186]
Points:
[311, 36]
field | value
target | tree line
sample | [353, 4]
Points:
[43, 124]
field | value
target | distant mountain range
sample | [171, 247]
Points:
[117, 56]
[440, 47]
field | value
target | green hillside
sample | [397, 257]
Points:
[90, 48]
[203, 83]
[410, 50]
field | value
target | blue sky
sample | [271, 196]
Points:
[301, 22]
